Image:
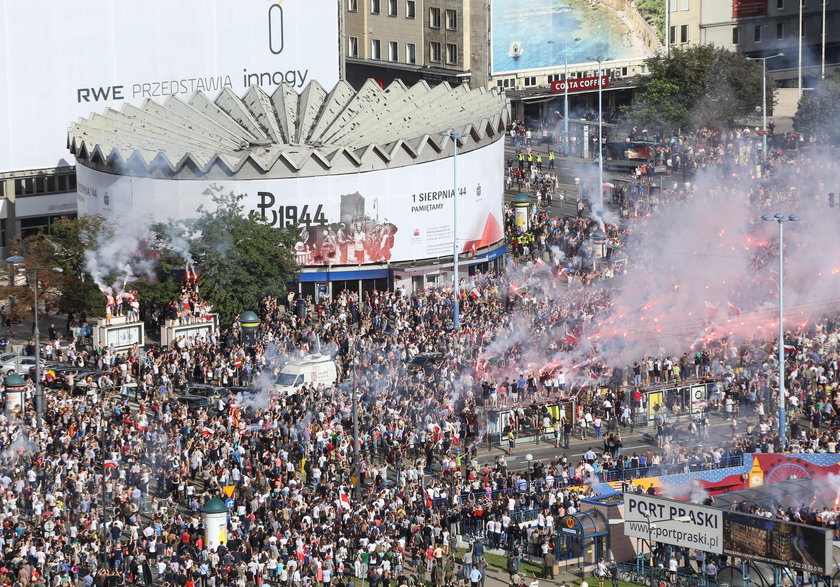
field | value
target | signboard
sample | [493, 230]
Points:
[749, 8]
[647, 517]
[795, 546]
[530, 35]
[63, 59]
[399, 214]
[580, 84]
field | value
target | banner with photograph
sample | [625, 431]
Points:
[401, 214]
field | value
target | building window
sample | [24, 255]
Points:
[45, 184]
[451, 20]
[393, 51]
[555, 77]
[683, 4]
[451, 53]
[529, 81]
[353, 5]
[736, 35]
[780, 4]
[672, 35]
[410, 53]
[353, 46]
[392, 7]
[434, 18]
[375, 49]
[410, 8]
[374, 7]
[684, 33]
[757, 33]
[434, 51]
[508, 82]
[780, 30]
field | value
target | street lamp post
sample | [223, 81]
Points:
[764, 96]
[781, 219]
[456, 310]
[39, 392]
[651, 526]
[600, 59]
[799, 60]
[565, 94]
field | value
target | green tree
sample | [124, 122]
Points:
[71, 290]
[239, 257]
[698, 86]
[817, 112]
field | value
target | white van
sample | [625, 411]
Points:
[312, 369]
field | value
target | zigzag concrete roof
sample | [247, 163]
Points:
[288, 134]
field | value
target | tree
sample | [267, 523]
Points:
[698, 86]
[239, 257]
[71, 290]
[817, 113]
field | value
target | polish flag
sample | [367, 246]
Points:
[475, 293]
[344, 500]
[207, 431]
[790, 349]
[571, 339]
[711, 309]
[109, 464]
[733, 309]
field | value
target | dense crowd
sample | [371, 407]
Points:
[111, 488]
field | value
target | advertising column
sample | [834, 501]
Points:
[215, 523]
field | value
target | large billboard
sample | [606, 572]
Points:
[63, 59]
[399, 214]
[541, 34]
[673, 522]
[795, 546]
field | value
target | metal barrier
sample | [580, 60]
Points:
[672, 469]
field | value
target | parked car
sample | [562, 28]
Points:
[9, 364]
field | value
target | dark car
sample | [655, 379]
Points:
[202, 396]
[425, 360]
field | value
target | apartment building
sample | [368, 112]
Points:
[414, 40]
[759, 28]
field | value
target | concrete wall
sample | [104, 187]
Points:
[787, 100]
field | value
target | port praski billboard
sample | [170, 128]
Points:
[62, 59]
[673, 522]
[400, 214]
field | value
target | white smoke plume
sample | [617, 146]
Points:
[117, 257]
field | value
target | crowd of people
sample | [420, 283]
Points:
[111, 487]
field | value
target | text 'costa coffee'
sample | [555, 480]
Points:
[578, 84]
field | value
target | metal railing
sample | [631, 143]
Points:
[642, 573]
[670, 469]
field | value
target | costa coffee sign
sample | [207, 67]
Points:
[580, 84]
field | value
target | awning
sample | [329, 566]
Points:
[585, 524]
[540, 98]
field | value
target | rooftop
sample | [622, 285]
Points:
[287, 133]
